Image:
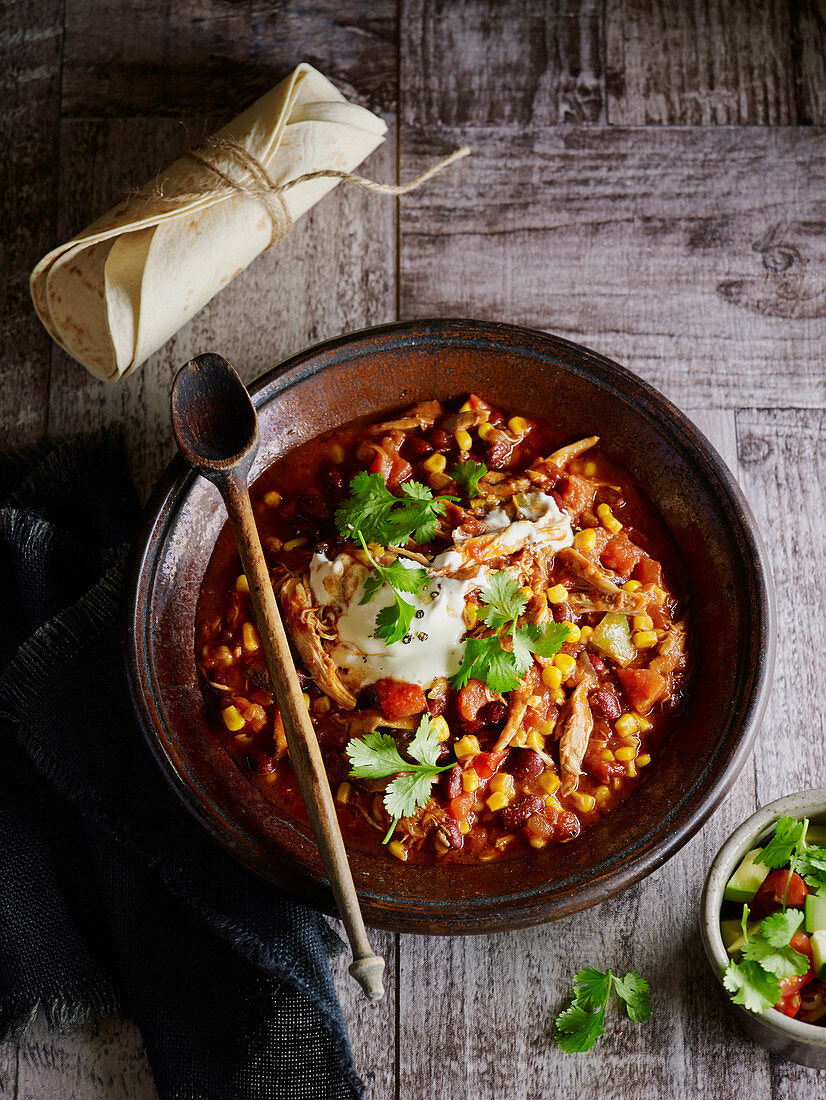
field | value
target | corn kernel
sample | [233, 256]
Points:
[343, 792]
[243, 738]
[465, 827]
[615, 783]
[626, 753]
[484, 431]
[470, 781]
[440, 728]
[657, 594]
[549, 782]
[602, 794]
[643, 724]
[520, 739]
[273, 544]
[565, 663]
[590, 469]
[397, 849]
[585, 540]
[466, 408]
[631, 586]
[626, 725]
[547, 728]
[466, 747]
[272, 499]
[574, 633]
[224, 655]
[557, 594]
[642, 622]
[584, 802]
[537, 842]
[518, 425]
[322, 704]
[435, 464]
[606, 754]
[644, 639]
[306, 699]
[643, 760]
[631, 771]
[498, 801]
[552, 677]
[607, 518]
[502, 781]
[252, 642]
[295, 544]
[535, 741]
[233, 719]
[337, 453]
[553, 804]
[242, 584]
[463, 440]
[585, 633]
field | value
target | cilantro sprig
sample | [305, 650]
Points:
[583, 1022]
[468, 474]
[487, 659]
[390, 520]
[768, 959]
[377, 756]
[393, 621]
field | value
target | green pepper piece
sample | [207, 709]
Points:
[612, 637]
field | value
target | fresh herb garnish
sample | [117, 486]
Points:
[468, 474]
[768, 959]
[487, 659]
[382, 517]
[376, 756]
[393, 621]
[788, 835]
[582, 1023]
[811, 866]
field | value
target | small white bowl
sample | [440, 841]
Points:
[790, 1038]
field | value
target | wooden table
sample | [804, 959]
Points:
[648, 178]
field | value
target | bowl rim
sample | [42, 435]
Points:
[755, 828]
[701, 798]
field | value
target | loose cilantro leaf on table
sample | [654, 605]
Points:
[380, 516]
[582, 1023]
[376, 756]
[393, 621]
[468, 474]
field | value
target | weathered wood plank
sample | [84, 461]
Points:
[696, 256]
[334, 272]
[808, 38]
[372, 1027]
[481, 62]
[200, 56]
[698, 62]
[108, 1065]
[8, 1070]
[31, 36]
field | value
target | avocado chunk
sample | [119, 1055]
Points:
[731, 931]
[816, 835]
[737, 945]
[747, 879]
[815, 913]
[819, 953]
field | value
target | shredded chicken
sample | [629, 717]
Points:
[564, 455]
[301, 620]
[579, 724]
[518, 709]
[422, 416]
[623, 603]
[671, 649]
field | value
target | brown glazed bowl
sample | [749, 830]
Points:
[523, 371]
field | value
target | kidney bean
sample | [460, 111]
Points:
[597, 664]
[494, 713]
[304, 678]
[418, 447]
[312, 507]
[605, 703]
[442, 441]
[453, 782]
[333, 478]
[528, 765]
[518, 812]
[259, 763]
[450, 833]
[561, 612]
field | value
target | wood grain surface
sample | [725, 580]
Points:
[647, 178]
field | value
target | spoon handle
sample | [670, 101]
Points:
[305, 755]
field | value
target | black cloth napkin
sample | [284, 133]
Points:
[111, 896]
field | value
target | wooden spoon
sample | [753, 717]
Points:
[216, 429]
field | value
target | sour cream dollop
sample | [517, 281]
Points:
[540, 522]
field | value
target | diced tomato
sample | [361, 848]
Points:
[648, 571]
[789, 1006]
[487, 764]
[642, 687]
[461, 805]
[390, 464]
[577, 494]
[769, 898]
[399, 699]
[473, 696]
[621, 555]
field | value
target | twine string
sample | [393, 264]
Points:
[262, 188]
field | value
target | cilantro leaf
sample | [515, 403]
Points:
[591, 988]
[783, 962]
[504, 598]
[375, 756]
[485, 659]
[405, 578]
[788, 833]
[418, 516]
[778, 928]
[751, 985]
[425, 746]
[633, 990]
[367, 509]
[392, 622]
[578, 1029]
[468, 474]
[544, 641]
[407, 792]
[812, 866]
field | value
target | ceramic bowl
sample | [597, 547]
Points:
[792, 1039]
[372, 372]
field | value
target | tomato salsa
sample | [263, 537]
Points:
[489, 623]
